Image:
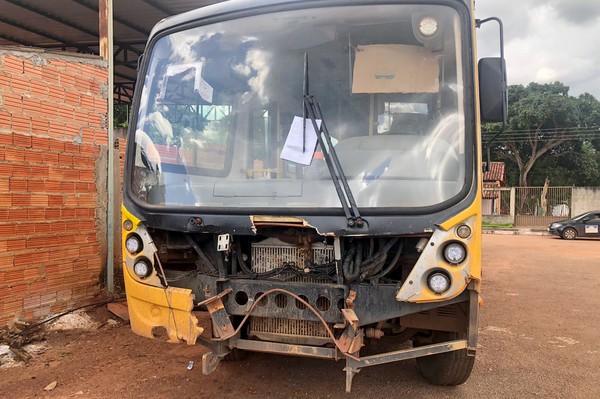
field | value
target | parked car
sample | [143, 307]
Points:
[585, 225]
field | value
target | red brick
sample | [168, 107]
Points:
[38, 171]
[36, 213]
[40, 143]
[4, 183]
[20, 84]
[72, 98]
[39, 89]
[65, 160]
[14, 64]
[56, 94]
[37, 287]
[56, 200]
[21, 199]
[71, 148]
[66, 79]
[5, 120]
[5, 81]
[14, 154]
[13, 276]
[52, 214]
[6, 139]
[5, 200]
[21, 171]
[32, 106]
[100, 105]
[50, 158]
[18, 184]
[86, 175]
[50, 74]
[21, 123]
[17, 215]
[48, 110]
[15, 245]
[32, 70]
[39, 125]
[34, 157]
[21, 140]
[39, 200]
[12, 102]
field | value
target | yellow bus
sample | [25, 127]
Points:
[306, 177]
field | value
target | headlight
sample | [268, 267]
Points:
[133, 244]
[438, 282]
[142, 269]
[455, 253]
[554, 225]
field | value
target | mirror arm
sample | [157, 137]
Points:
[488, 147]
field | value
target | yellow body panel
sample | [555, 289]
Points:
[151, 307]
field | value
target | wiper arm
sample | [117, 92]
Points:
[313, 110]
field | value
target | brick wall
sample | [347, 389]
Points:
[53, 143]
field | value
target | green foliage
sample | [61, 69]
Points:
[121, 115]
[544, 138]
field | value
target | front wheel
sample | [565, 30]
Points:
[449, 368]
[569, 233]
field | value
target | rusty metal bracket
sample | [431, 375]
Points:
[210, 361]
[473, 321]
[222, 326]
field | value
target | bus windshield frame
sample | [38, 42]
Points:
[222, 100]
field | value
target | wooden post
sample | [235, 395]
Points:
[105, 16]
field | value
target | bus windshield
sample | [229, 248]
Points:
[220, 121]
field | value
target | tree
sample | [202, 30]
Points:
[544, 120]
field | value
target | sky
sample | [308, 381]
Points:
[545, 41]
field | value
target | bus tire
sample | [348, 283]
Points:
[449, 368]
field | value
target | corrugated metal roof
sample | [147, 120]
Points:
[72, 25]
[495, 173]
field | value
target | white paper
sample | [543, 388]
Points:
[292, 149]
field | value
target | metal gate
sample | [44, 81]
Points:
[540, 206]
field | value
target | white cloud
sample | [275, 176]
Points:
[544, 42]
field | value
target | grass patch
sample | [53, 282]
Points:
[499, 225]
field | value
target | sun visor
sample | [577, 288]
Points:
[395, 68]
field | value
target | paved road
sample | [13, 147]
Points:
[540, 336]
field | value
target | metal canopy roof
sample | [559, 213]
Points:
[72, 25]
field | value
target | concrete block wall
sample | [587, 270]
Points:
[53, 145]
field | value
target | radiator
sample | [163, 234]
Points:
[271, 254]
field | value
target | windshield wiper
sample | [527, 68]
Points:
[313, 111]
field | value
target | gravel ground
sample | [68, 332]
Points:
[539, 336]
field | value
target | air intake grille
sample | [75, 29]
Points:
[273, 253]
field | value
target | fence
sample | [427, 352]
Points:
[527, 206]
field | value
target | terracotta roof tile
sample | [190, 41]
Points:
[496, 172]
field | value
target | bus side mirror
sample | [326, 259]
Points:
[493, 99]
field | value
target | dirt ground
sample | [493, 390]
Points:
[539, 336]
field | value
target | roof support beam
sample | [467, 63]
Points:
[17, 40]
[155, 4]
[47, 35]
[52, 16]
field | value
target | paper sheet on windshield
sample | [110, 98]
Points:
[297, 140]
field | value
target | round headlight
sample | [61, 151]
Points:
[455, 253]
[463, 231]
[428, 26]
[438, 282]
[133, 244]
[142, 269]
